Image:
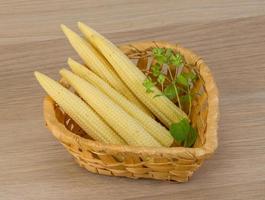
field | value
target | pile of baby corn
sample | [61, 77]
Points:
[112, 105]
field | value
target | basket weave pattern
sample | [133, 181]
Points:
[175, 163]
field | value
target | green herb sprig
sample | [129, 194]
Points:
[174, 86]
[184, 133]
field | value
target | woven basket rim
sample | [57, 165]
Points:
[65, 136]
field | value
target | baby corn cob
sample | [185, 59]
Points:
[160, 133]
[79, 111]
[162, 107]
[125, 125]
[97, 63]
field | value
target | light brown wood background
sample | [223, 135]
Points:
[229, 35]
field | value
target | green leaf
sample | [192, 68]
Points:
[161, 59]
[161, 78]
[170, 91]
[169, 53]
[156, 69]
[191, 139]
[158, 51]
[185, 98]
[189, 76]
[183, 132]
[159, 55]
[182, 80]
[180, 130]
[176, 60]
[149, 85]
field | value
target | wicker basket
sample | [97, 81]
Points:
[175, 163]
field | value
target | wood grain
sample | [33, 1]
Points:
[229, 35]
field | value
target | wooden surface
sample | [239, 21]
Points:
[229, 35]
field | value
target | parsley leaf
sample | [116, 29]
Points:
[170, 91]
[182, 80]
[177, 60]
[191, 139]
[149, 85]
[190, 76]
[161, 59]
[159, 54]
[161, 78]
[180, 130]
[156, 68]
[186, 98]
[183, 132]
[158, 51]
[169, 53]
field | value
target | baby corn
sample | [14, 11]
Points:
[162, 107]
[124, 124]
[160, 133]
[98, 64]
[79, 111]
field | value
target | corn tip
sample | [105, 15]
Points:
[63, 27]
[67, 31]
[63, 71]
[70, 60]
[72, 63]
[39, 75]
[36, 73]
[80, 24]
[87, 29]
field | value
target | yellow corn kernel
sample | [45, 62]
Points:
[160, 133]
[125, 125]
[162, 107]
[79, 111]
[98, 64]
